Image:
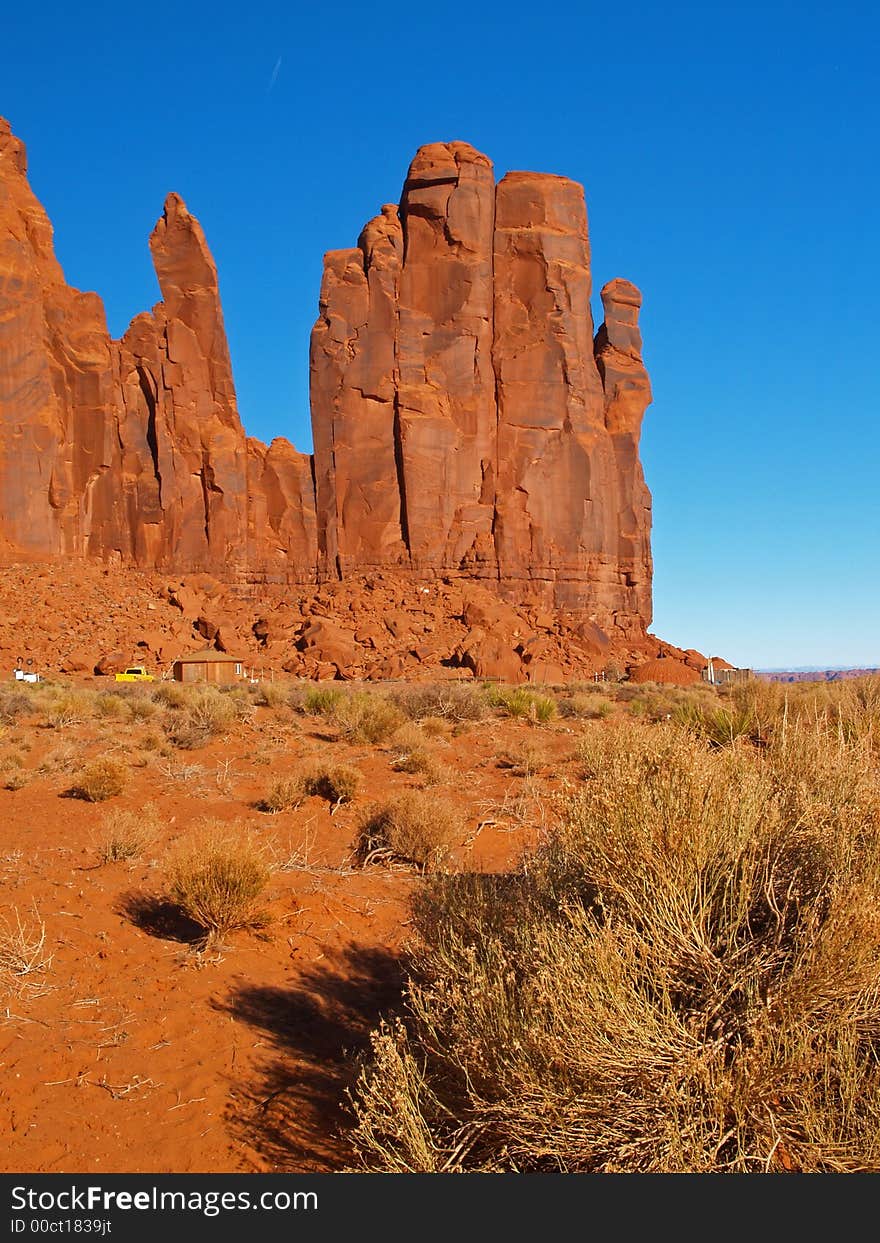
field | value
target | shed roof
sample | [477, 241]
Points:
[208, 655]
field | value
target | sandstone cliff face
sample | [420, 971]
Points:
[507, 436]
[465, 421]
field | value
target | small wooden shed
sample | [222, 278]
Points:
[218, 668]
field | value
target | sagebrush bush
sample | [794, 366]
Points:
[204, 714]
[685, 977]
[13, 706]
[218, 877]
[284, 794]
[589, 707]
[102, 778]
[337, 783]
[366, 717]
[171, 695]
[413, 828]
[126, 835]
[419, 761]
[110, 705]
[458, 702]
[273, 695]
[64, 708]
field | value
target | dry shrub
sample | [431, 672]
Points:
[22, 951]
[273, 695]
[110, 705]
[523, 761]
[126, 835]
[65, 708]
[365, 717]
[18, 778]
[435, 727]
[413, 828]
[217, 878]
[449, 701]
[171, 695]
[419, 761]
[141, 707]
[13, 706]
[284, 794]
[685, 977]
[206, 714]
[338, 783]
[61, 759]
[589, 707]
[101, 778]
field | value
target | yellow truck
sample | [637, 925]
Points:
[137, 673]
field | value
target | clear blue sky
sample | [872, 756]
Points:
[729, 155]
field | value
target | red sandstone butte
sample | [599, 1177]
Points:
[466, 422]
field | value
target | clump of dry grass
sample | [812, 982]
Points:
[100, 779]
[366, 717]
[413, 828]
[273, 695]
[523, 761]
[22, 951]
[458, 702]
[587, 707]
[126, 835]
[110, 705]
[218, 877]
[14, 705]
[64, 708]
[685, 977]
[284, 794]
[171, 695]
[19, 776]
[204, 715]
[337, 783]
[421, 762]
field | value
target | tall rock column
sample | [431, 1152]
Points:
[353, 387]
[554, 455]
[446, 396]
[627, 389]
[180, 362]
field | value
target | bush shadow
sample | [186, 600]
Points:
[159, 918]
[295, 1112]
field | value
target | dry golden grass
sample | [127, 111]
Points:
[521, 702]
[217, 877]
[126, 835]
[419, 761]
[457, 702]
[413, 828]
[684, 977]
[366, 717]
[284, 794]
[337, 783]
[102, 778]
[204, 714]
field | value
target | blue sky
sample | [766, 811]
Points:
[729, 155]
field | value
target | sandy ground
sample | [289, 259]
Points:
[131, 1052]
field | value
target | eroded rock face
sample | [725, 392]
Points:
[466, 423]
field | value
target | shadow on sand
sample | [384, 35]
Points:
[293, 1114]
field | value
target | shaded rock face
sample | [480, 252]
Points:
[465, 421]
